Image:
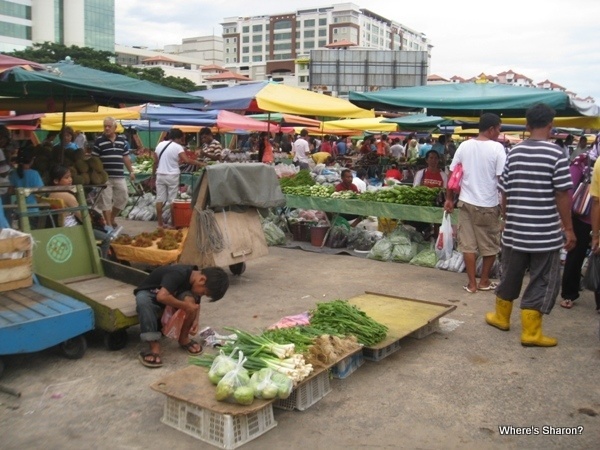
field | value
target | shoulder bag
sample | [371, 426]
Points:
[582, 200]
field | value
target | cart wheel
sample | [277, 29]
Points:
[116, 340]
[74, 348]
[238, 269]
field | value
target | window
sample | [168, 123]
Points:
[257, 58]
[226, 60]
[322, 32]
[246, 29]
[235, 40]
[245, 59]
[256, 28]
[309, 23]
[309, 44]
[309, 34]
[227, 40]
[257, 38]
[284, 46]
[282, 24]
[257, 48]
[335, 31]
[322, 22]
[282, 36]
[322, 43]
[234, 59]
[245, 39]
[227, 50]
[245, 49]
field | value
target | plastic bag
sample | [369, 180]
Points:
[273, 234]
[359, 239]
[426, 258]
[233, 387]
[591, 279]
[454, 264]
[172, 321]
[494, 271]
[382, 250]
[456, 178]
[445, 243]
[221, 366]
[338, 237]
[262, 384]
[404, 252]
[400, 236]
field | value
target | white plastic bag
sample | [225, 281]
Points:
[445, 242]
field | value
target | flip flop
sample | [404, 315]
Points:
[466, 288]
[188, 348]
[156, 363]
[567, 304]
[491, 287]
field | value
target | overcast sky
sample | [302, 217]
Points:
[541, 39]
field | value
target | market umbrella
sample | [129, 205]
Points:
[225, 121]
[86, 121]
[279, 98]
[470, 100]
[8, 62]
[64, 81]
[371, 124]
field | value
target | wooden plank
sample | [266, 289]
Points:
[91, 276]
[402, 316]
[113, 294]
[29, 299]
[193, 386]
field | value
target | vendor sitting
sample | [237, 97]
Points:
[346, 184]
[322, 158]
[394, 173]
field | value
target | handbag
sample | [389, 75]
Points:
[456, 178]
[582, 200]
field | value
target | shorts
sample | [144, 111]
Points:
[167, 187]
[478, 229]
[115, 195]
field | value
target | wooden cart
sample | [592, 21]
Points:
[66, 260]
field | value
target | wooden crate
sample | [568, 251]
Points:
[15, 260]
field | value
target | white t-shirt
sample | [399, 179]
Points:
[483, 162]
[301, 151]
[169, 157]
[360, 184]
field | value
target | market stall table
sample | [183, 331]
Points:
[427, 214]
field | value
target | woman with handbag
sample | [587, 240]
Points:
[580, 169]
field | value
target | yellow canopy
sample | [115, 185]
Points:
[287, 99]
[87, 126]
[74, 119]
[369, 124]
[583, 122]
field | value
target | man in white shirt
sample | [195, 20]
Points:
[169, 154]
[302, 150]
[479, 219]
[359, 180]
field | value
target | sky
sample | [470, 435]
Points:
[541, 39]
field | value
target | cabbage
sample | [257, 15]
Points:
[382, 250]
[426, 258]
[284, 385]
[244, 395]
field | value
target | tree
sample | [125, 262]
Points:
[49, 52]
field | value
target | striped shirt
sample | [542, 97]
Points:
[111, 154]
[533, 173]
[213, 150]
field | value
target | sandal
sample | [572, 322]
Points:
[568, 304]
[154, 363]
[491, 287]
[189, 348]
[466, 288]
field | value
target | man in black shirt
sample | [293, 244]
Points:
[180, 286]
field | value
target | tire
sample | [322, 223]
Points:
[238, 269]
[74, 348]
[116, 340]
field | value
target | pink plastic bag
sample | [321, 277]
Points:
[172, 321]
[456, 178]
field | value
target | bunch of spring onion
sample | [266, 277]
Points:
[339, 317]
[301, 336]
[262, 352]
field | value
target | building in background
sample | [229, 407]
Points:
[279, 46]
[84, 23]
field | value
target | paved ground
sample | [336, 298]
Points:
[453, 389]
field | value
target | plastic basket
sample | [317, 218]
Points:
[221, 430]
[347, 366]
[428, 329]
[377, 354]
[306, 394]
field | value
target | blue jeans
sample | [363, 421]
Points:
[149, 313]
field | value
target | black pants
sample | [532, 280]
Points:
[571, 278]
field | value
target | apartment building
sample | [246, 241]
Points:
[84, 23]
[278, 46]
